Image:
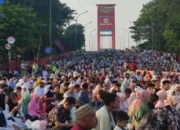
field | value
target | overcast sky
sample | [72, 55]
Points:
[126, 11]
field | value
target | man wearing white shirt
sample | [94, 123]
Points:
[122, 120]
[71, 93]
[138, 76]
[40, 90]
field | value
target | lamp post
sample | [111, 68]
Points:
[50, 26]
[122, 35]
[87, 24]
[119, 38]
[85, 27]
[77, 27]
[93, 42]
[90, 38]
[128, 36]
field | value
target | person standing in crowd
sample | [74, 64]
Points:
[23, 68]
[104, 87]
[162, 95]
[104, 114]
[86, 118]
[156, 82]
[125, 83]
[139, 108]
[34, 69]
[122, 120]
[150, 88]
[116, 88]
[161, 118]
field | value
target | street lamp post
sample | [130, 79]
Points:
[77, 27]
[90, 38]
[93, 42]
[119, 42]
[122, 35]
[128, 37]
[85, 28]
[87, 24]
[50, 26]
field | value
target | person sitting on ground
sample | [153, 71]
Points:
[86, 118]
[122, 120]
[61, 114]
[83, 96]
[15, 111]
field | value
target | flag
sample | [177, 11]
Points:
[60, 46]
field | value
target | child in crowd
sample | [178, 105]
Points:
[122, 120]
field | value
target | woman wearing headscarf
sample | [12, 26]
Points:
[139, 108]
[162, 94]
[34, 106]
[25, 99]
[25, 90]
[161, 118]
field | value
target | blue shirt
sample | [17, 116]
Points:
[83, 98]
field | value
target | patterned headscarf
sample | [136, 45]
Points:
[142, 96]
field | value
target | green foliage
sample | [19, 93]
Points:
[19, 22]
[164, 17]
[28, 21]
[73, 41]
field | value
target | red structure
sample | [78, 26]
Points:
[106, 26]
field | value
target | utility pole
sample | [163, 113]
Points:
[50, 26]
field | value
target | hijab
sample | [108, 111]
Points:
[142, 96]
[33, 102]
[24, 102]
[162, 94]
[25, 90]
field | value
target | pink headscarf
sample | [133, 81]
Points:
[142, 96]
[162, 94]
[33, 105]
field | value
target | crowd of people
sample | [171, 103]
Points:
[95, 91]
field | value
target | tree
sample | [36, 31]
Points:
[20, 22]
[159, 24]
[31, 18]
[73, 41]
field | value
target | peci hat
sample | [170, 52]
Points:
[84, 110]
